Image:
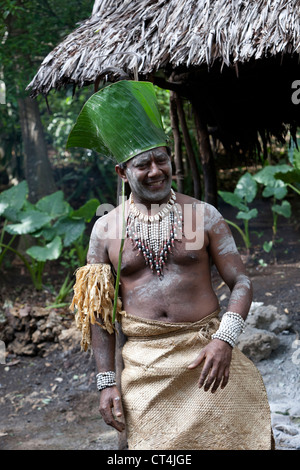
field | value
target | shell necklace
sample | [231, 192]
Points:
[154, 235]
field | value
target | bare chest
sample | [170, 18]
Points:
[184, 253]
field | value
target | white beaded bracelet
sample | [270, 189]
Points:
[105, 379]
[231, 326]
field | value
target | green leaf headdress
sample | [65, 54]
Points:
[120, 121]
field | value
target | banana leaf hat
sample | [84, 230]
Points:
[120, 121]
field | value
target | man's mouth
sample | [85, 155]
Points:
[155, 184]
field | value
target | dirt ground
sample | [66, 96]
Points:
[49, 401]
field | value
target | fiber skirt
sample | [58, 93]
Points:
[165, 409]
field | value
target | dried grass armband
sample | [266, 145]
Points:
[93, 299]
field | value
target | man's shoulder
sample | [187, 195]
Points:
[185, 199]
[211, 215]
[108, 225]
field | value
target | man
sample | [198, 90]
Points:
[184, 384]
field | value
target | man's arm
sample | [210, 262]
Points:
[110, 407]
[217, 354]
[228, 261]
[103, 342]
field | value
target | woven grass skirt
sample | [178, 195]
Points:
[165, 409]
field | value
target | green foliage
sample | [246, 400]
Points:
[65, 289]
[163, 99]
[28, 222]
[13, 198]
[272, 186]
[243, 194]
[291, 177]
[274, 180]
[29, 30]
[64, 109]
[276, 189]
[51, 221]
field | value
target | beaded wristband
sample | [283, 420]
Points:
[231, 326]
[105, 379]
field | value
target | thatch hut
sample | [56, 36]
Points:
[235, 61]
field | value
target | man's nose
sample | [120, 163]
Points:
[154, 170]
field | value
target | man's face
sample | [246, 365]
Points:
[149, 175]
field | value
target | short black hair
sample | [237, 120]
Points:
[123, 165]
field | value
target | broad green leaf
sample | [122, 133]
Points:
[47, 232]
[54, 205]
[266, 175]
[232, 199]
[267, 246]
[284, 209]
[12, 215]
[14, 197]
[120, 121]
[246, 187]
[70, 229]
[3, 205]
[291, 177]
[277, 189]
[29, 222]
[49, 252]
[247, 215]
[290, 152]
[296, 160]
[87, 211]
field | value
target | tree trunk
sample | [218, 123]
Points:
[38, 171]
[177, 143]
[207, 160]
[189, 149]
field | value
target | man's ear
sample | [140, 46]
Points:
[121, 172]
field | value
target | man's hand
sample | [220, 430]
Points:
[217, 357]
[111, 407]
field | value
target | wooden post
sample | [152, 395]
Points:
[189, 148]
[177, 143]
[207, 159]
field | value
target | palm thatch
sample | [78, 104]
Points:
[163, 35]
[233, 60]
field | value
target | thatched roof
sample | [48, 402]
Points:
[236, 56]
[153, 36]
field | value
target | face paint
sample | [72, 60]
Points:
[212, 218]
[227, 246]
[241, 289]
[150, 176]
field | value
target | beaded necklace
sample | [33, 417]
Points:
[154, 235]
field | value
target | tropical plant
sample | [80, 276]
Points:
[276, 189]
[243, 194]
[291, 175]
[51, 221]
